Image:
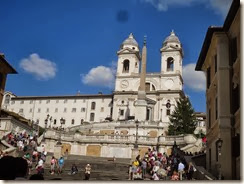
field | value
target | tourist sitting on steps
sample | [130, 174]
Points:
[74, 170]
[175, 176]
[87, 171]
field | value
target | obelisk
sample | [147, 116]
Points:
[141, 103]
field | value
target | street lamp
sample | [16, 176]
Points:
[219, 144]
[137, 125]
[61, 123]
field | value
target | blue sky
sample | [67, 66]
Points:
[57, 45]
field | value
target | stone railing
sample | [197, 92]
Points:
[142, 140]
[11, 150]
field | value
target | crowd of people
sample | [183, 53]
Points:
[33, 160]
[154, 165]
[157, 166]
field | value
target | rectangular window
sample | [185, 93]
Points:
[233, 50]
[21, 110]
[48, 101]
[30, 110]
[102, 109]
[83, 109]
[92, 117]
[40, 101]
[72, 121]
[73, 109]
[93, 105]
[57, 101]
[12, 102]
[56, 109]
[55, 122]
[102, 99]
[215, 63]
[47, 110]
[39, 110]
[216, 108]
[208, 77]
[31, 101]
[22, 102]
[65, 109]
[168, 112]
[121, 112]
[65, 101]
[209, 118]
[84, 100]
[74, 100]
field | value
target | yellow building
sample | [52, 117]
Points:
[220, 60]
[5, 68]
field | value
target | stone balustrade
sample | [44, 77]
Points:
[118, 139]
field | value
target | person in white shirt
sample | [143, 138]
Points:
[181, 168]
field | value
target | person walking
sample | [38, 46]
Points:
[190, 171]
[53, 163]
[144, 168]
[60, 165]
[181, 168]
[87, 172]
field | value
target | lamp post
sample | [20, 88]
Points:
[61, 123]
[137, 125]
[219, 144]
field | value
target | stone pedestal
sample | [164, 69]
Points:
[141, 107]
[57, 151]
[135, 153]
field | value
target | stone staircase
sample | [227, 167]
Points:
[102, 169]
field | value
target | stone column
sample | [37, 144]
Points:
[141, 104]
[143, 68]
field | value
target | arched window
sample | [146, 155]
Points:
[81, 121]
[170, 64]
[168, 105]
[93, 106]
[126, 66]
[7, 99]
[55, 122]
[72, 121]
[92, 116]
[153, 88]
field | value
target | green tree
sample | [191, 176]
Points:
[183, 119]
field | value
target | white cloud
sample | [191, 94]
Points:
[100, 76]
[163, 5]
[42, 69]
[219, 6]
[195, 80]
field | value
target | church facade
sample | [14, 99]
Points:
[162, 90]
